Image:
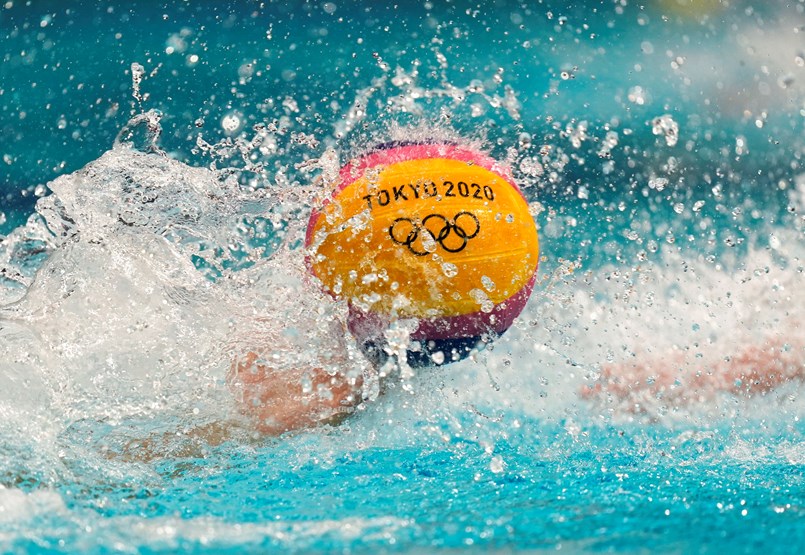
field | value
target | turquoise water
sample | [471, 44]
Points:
[152, 231]
[626, 490]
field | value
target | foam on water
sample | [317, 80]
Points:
[138, 310]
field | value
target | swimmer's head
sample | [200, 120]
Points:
[435, 235]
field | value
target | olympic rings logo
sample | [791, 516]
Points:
[422, 237]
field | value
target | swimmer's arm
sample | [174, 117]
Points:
[283, 400]
[275, 401]
[678, 378]
[758, 369]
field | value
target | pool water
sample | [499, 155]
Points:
[627, 489]
[159, 164]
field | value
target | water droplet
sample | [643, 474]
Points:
[428, 242]
[569, 73]
[531, 167]
[137, 74]
[231, 123]
[666, 126]
[638, 95]
[449, 269]
[480, 297]
[577, 134]
[535, 208]
[142, 132]
[785, 81]
[488, 284]
[741, 147]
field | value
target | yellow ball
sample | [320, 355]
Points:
[438, 233]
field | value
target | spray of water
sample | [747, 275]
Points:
[141, 281]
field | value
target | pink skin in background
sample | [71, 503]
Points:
[680, 378]
[276, 402]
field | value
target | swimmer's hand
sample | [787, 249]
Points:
[679, 378]
[283, 400]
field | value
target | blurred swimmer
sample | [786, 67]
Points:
[683, 377]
